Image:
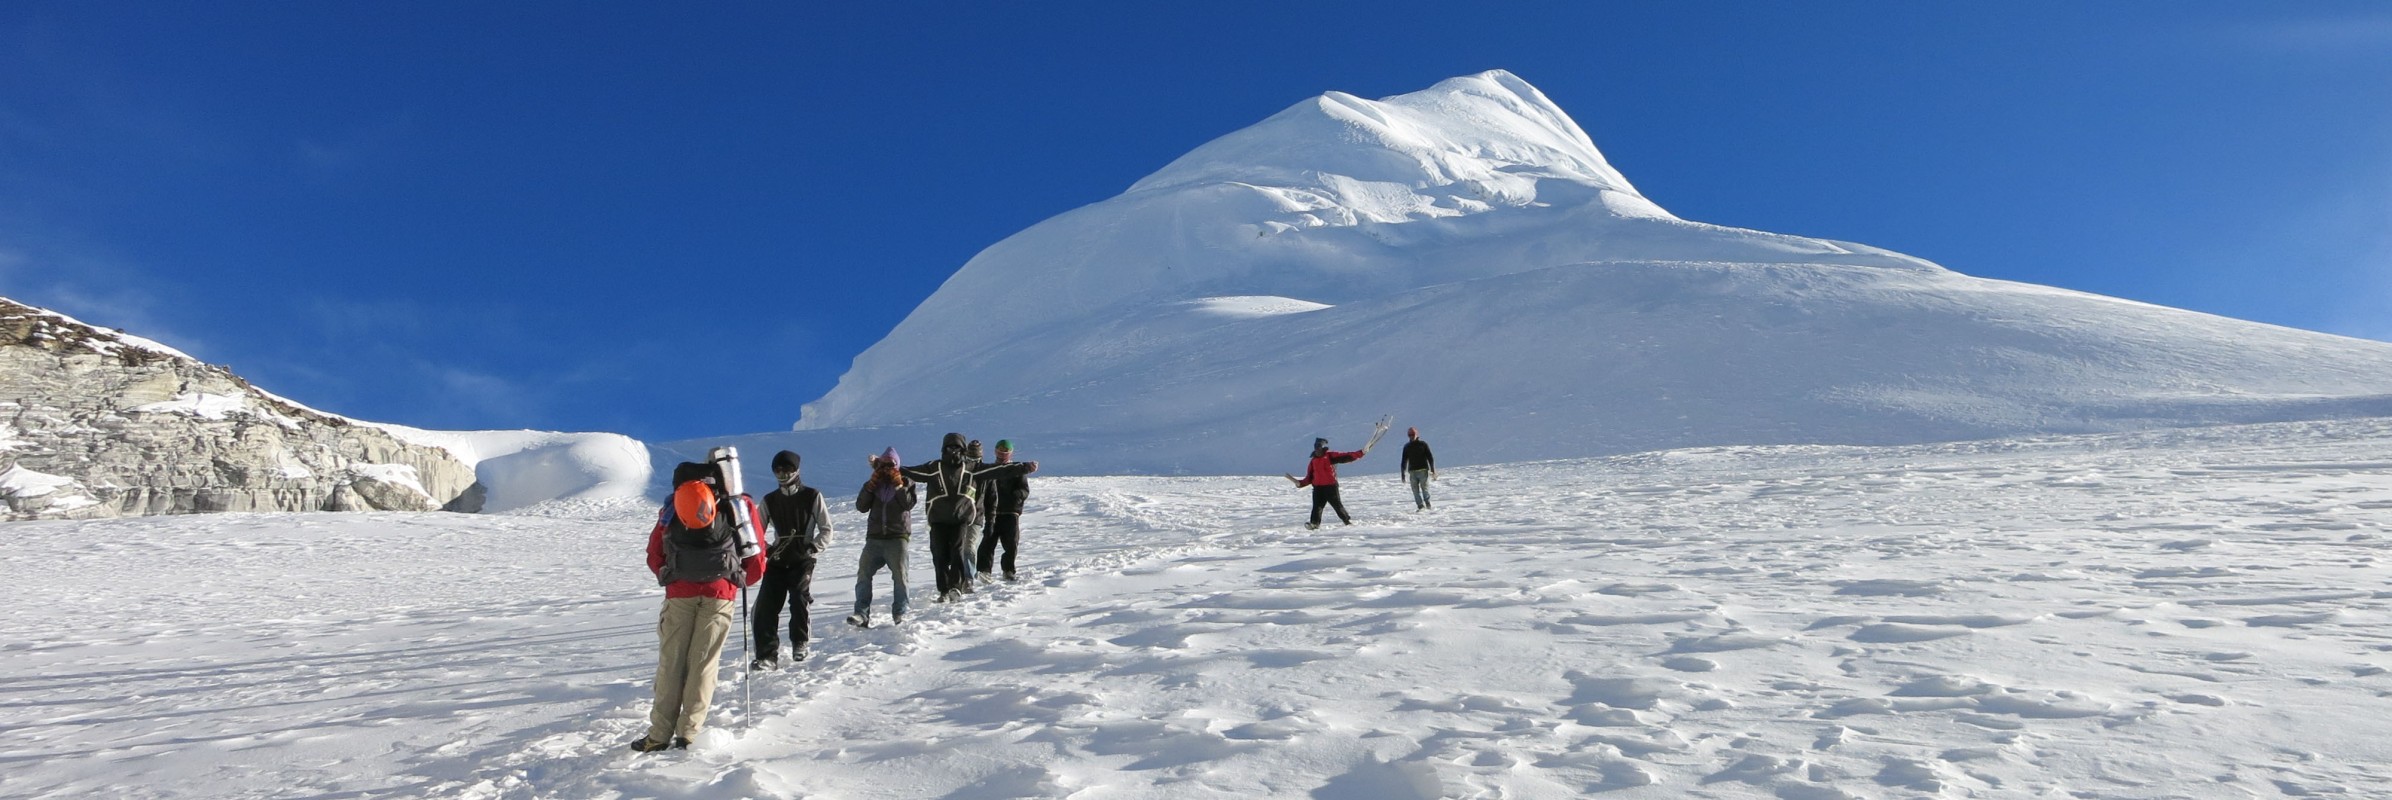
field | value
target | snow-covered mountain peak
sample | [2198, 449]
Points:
[1465, 145]
[1463, 258]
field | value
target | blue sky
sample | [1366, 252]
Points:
[677, 222]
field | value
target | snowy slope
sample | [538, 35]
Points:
[1464, 258]
[2187, 613]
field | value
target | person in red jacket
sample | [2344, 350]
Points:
[696, 551]
[1321, 475]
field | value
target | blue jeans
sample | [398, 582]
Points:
[1420, 488]
[968, 550]
[879, 553]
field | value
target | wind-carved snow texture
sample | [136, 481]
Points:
[1482, 271]
[2190, 613]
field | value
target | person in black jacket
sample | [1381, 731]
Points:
[801, 528]
[1420, 467]
[949, 495]
[1001, 499]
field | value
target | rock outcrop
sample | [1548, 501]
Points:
[97, 423]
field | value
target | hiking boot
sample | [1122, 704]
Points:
[1009, 576]
[988, 578]
[897, 618]
[797, 655]
[647, 745]
[1312, 526]
[764, 665]
[680, 743]
[859, 620]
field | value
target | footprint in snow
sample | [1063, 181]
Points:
[1723, 643]
[1689, 664]
[1637, 589]
[1963, 620]
[1636, 693]
[1897, 633]
[1890, 587]
[2290, 620]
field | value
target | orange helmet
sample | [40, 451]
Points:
[694, 504]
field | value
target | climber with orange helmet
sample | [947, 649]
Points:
[696, 551]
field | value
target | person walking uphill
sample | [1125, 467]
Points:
[1420, 467]
[887, 502]
[952, 481]
[801, 528]
[1001, 499]
[696, 552]
[1321, 475]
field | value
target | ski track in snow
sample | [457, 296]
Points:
[2183, 613]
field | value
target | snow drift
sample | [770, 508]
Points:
[519, 469]
[1465, 258]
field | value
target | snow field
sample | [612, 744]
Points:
[2196, 613]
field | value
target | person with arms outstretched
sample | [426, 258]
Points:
[1321, 475]
[951, 495]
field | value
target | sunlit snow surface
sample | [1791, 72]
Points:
[2193, 613]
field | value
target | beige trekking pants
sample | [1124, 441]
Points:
[690, 636]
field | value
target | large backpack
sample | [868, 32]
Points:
[952, 499]
[699, 555]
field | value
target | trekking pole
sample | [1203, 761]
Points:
[747, 688]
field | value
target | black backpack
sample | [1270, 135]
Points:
[699, 555]
[952, 499]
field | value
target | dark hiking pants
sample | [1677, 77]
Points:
[946, 556]
[1327, 496]
[790, 582]
[1003, 529]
